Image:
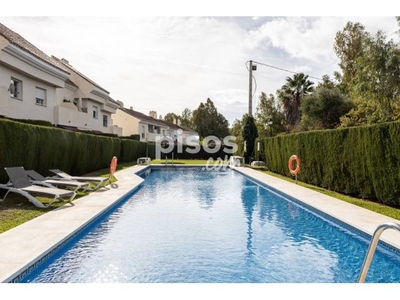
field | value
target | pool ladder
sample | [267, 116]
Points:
[172, 161]
[372, 246]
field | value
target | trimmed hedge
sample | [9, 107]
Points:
[43, 148]
[359, 161]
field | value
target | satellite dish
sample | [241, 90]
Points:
[12, 89]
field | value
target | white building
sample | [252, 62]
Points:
[149, 127]
[133, 122]
[84, 104]
[28, 79]
[38, 87]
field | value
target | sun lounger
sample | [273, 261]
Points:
[97, 181]
[20, 183]
[38, 179]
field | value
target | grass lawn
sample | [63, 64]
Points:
[373, 206]
[16, 209]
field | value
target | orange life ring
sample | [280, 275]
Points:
[290, 165]
[113, 166]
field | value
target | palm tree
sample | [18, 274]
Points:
[292, 93]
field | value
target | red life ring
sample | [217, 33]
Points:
[290, 165]
[113, 166]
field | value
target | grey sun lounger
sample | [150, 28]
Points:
[38, 179]
[97, 181]
[20, 183]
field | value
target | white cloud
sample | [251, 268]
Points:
[311, 38]
[168, 64]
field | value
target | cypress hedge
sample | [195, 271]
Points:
[42, 148]
[358, 161]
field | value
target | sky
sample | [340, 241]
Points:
[171, 62]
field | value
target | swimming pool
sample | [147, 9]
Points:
[189, 225]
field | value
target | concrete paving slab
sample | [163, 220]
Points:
[26, 244]
[360, 218]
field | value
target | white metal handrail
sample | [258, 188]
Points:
[372, 247]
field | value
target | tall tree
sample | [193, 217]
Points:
[375, 87]
[349, 46]
[186, 118]
[249, 134]
[207, 121]
[269, 116]
[291, 94]
[379, 77]
[171, 117]
[324, 107]
[236, 131]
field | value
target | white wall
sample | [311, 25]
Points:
[26, 108]
[128, 123]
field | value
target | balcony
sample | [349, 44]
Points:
[67, 114]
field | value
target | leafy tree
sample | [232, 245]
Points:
[186, 118]
[291, 94]
[236, 129]
[379, 78]
[375, 87]
[270, 118]
[324, 107]
[249, 134]
[207, 121]
[349, 46]
[171, 117]
[327, 82]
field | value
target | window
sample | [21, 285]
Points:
[15, 88]
[143, 132]
[105, 121]
[95, 112]
[40, 96]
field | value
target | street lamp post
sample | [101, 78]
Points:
[251, 69]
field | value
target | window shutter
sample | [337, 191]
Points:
[40, 93]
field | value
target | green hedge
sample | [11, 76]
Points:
[359, 161]
[43, 148]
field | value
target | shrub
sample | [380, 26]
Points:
[43, 148]
[359, 161]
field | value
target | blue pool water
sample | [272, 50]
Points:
[188, 225]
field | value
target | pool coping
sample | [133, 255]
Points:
[355, 216]
[28, 244]
[21, 250]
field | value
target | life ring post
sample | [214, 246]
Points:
[292, 170]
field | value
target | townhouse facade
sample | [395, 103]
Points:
[36, 86]
[149, 127]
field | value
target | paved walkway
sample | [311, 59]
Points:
[24, 245]
[358, 217]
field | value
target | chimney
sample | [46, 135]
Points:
[131, 108]
[153, 114]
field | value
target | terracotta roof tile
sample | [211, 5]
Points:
[68, 68]
[142, 116]
[17, 40]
